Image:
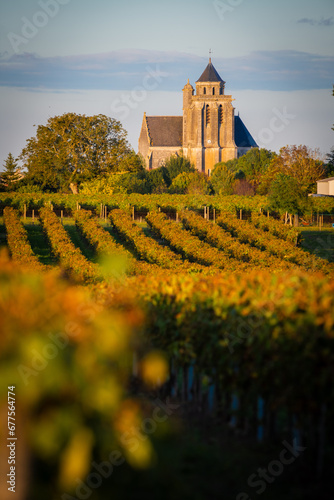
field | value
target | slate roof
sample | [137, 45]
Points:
[210, 74]
[165, 130]
[242, 137]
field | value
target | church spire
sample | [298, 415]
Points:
[210, 74]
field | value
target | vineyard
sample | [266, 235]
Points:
[208, 301]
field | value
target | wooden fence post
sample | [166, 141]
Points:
[33, 216]
[25, 211]
[177, 217]
[240, 213]
[133, 212]
[61, 216]
[214, 215]
[296, 220]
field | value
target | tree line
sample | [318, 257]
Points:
[91, 154]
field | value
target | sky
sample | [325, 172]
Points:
[121, 58]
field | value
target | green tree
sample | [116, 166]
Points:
[131, 162]
[232, 165]
[199, 184]
[329, 165]
[286, 195]
[175, 165]
[157, 180]
[190, 183]
[254, 164]
[71, 148]
[132, 183]
[222, 179]
[10, 176]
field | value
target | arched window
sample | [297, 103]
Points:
[220, 114]
[207, 109]
[213, 91]
[204, 90]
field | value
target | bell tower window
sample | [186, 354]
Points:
[220, 114]
[207, 109]
[204, 91]
[213, 91]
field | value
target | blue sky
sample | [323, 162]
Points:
[124, 58]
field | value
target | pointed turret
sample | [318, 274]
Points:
[188, 92]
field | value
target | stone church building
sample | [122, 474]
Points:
[207, 133]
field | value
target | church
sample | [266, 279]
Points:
[207, 133]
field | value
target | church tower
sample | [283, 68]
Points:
[207, 132]
[208, 121]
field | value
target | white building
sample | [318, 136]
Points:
[326, 186]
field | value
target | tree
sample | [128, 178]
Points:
[329, 165]
[157, 180]
[190, 183]
[199, 183]
[300, 162]
[175, 165]
[131, 162]
[71, 148]
[232, 165]
[286, 194]
[254, 164]
[11, 175]
[243, 188]
[222, 179]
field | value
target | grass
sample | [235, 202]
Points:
[79, 241]
[39, 244]
[320, 243]
[120, 240]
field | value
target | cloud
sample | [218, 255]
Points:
[314, 22]
[135, 70]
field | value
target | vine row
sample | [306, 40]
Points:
[18, 242]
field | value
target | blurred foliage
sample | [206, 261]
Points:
[69, 357]
[87, 361]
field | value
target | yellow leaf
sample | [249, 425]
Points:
[154, 369]
[75, 460]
